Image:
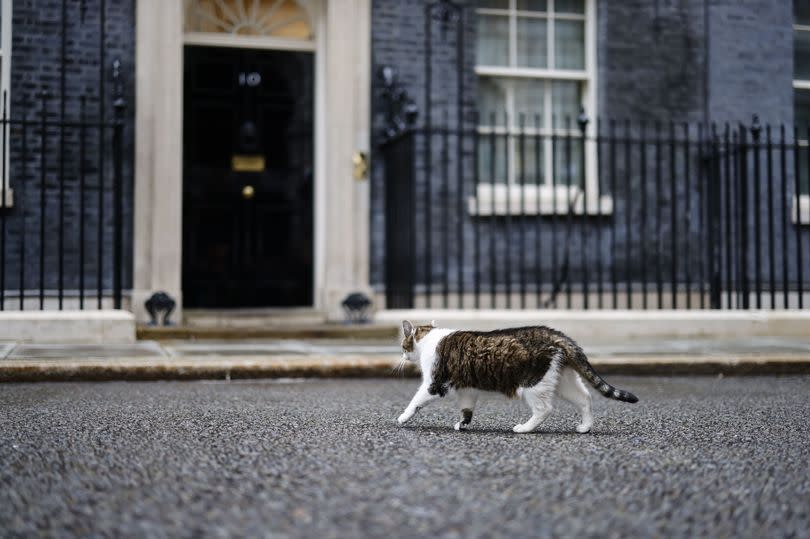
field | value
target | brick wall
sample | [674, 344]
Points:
[751, 60]
[36, 66]
[652, 67]
[650, 59]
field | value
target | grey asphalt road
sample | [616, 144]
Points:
[706, 457]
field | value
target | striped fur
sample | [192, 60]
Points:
[535, 363]
[508, 359]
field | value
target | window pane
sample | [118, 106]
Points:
[493, 40]
[529, 99]
[801, 114]
[531, 42]
[804, 182]
[801, 117]
[801, 12]
[492, 153]
[569, 44]
[566, 100]
[569, 6]
[801, 56]
[531, 149]
[568, 161]
[491, 100]
[494, 4]
[532, 5]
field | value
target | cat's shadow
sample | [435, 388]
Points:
[490, 431]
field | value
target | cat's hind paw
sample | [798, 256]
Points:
[460, 426]
[582, 428]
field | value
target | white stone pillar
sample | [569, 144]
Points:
[343, 32]
[347, 119]
[158, 153]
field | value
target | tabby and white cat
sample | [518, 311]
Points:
[535, 363]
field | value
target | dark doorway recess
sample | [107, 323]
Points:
[247, 178]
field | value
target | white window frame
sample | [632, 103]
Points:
[5, 87]
[801, 202]
[509, 198]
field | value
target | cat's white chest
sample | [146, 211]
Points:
[428, 346]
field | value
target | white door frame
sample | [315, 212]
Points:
[342, 118]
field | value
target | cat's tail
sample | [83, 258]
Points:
[579, 362]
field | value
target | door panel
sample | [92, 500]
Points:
[247, 208]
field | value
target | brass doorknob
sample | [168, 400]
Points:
[360, 163]
[248, 192]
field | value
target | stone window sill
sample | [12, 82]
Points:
[529, 200]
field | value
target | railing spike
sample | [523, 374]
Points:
[756, 127]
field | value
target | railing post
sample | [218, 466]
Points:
[22, 183]
[119, 105]
[400, 236]
[582, 122]
[43, 153]
[743, 215]
[756, 129]
[4, 133]
[713, 194]
[398, 150]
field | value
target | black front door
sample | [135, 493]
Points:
[247, 178]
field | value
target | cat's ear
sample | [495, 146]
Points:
[407, 328]
[433, 323]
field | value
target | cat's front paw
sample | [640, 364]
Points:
[522, 429]
[582, 428]
[404, 418]
[460, 426]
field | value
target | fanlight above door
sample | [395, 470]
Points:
[271, 18]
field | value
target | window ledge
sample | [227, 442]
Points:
[9, 202]
[517, 200]
[802, 202]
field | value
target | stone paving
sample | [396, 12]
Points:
[190, 359]
[695, 347]
[696, 457]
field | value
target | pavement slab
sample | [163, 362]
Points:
[6, 348]
[86, 351]
[696, 457]
[319, 347]
[694, 347]
[700, 347]
[274, 358]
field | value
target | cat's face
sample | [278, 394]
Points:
[411, 337]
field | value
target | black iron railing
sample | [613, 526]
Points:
[597, 215]
[62, 200]
[61, 207]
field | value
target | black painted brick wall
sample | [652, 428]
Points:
[751, 61]
[651, 67]
[398, 40]
[650, 59]
[36, 66]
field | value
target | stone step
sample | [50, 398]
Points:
[289, 331]
[252, 318]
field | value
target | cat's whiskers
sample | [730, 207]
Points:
[399, 368]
